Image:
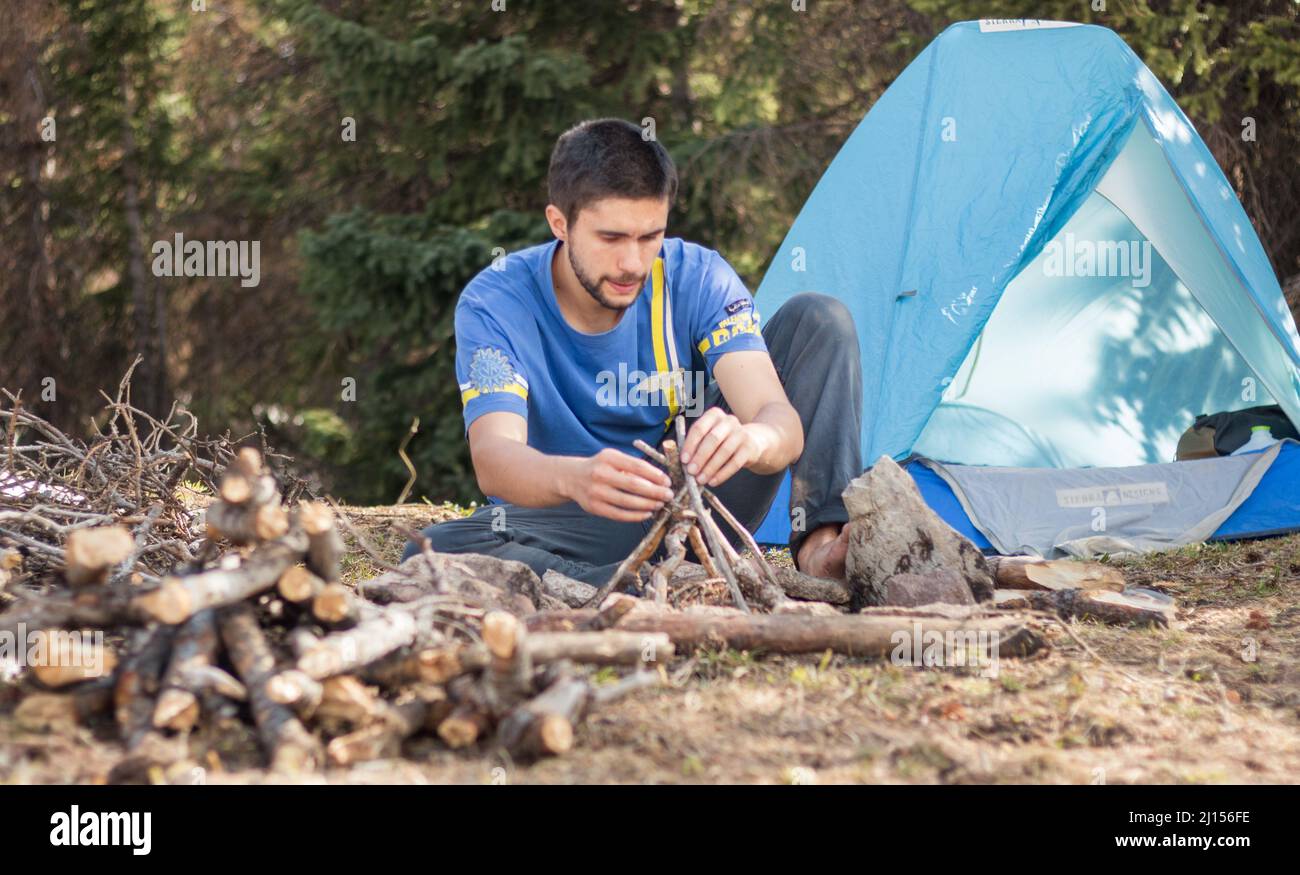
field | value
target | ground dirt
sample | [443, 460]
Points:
[1213, 699]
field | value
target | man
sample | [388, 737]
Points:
[565, 353]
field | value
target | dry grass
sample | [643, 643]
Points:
[1215, 698]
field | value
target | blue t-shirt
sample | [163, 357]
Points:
[579, 392]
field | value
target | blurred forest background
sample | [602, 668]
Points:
[226, 123]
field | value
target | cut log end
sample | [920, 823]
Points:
[334, 605]
[315, 517]
[248, 463]
[438, 665]
[462, 727]
[555, 734]
[90, 553]
[251, 519]
[362, 745]
[326, 545]
[235, 489]
[299, 585]
[501, 633]
[292, 687]
[348, 699]
[270, 522]
[320, 663]
[65, 659]
[176, 709]
[170, 603]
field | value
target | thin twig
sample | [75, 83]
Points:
[711, 534]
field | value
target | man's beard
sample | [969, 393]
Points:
[593, 286]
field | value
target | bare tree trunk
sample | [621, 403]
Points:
[40, 310]
[38, 281]
[146, 306]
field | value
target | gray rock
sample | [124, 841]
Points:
[573, 593]
[892, 531]
[914, 590]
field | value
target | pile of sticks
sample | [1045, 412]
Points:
[267, 632]
[131, 473]
[687, 520]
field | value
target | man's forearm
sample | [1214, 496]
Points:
[780, 435]
[521, 475]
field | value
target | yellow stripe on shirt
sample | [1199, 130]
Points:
[514, 388]
[658, 334]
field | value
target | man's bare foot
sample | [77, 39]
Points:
[823, 552]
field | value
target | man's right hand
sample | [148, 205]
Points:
[610, 484]
[620, 487]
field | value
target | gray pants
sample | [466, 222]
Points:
[814, 346]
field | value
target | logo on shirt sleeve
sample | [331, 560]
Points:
[490, 371]
[736, 306]
[744, 321]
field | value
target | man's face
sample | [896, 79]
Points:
[612, 245]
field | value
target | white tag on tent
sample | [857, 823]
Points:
[1108, 496]
[996, 25]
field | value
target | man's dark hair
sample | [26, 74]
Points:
[608, 157]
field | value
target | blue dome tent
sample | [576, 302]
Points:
[1050, 277]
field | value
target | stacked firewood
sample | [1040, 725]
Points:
[325, 674]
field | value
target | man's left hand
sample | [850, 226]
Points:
[718, 445]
